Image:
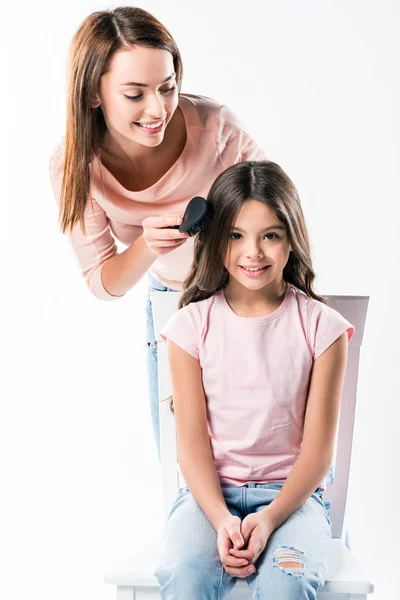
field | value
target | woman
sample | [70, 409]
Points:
[136, 150]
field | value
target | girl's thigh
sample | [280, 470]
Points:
[293, 565]
[190, 565]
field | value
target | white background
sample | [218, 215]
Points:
[317, 84]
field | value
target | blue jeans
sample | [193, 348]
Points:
[190, 566]
[152, 358]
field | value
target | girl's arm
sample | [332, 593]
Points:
[194, 450]
[321, 419]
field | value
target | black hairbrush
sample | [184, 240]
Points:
[198, 215]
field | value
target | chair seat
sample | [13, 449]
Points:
[344, 574]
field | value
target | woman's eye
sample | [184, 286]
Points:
[232, 234]
[168, 90]
[134, 97]
[140, 96]
[276, 236]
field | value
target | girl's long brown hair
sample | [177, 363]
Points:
[266, 182]
[97, 39]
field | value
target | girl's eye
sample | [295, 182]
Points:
[270, 233]
[140, 96]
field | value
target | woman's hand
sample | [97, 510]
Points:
[229, 534]
[256, 529]
[159, 239]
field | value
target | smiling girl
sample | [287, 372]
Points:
[257, 362]
[136, 150]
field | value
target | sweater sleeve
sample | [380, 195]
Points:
[94, 247]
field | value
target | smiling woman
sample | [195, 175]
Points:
[136, 150]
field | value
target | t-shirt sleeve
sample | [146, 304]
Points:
[325, 326]
[95, 246]
[234, 141]
[181, 329]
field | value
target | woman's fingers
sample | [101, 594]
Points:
[167, 220]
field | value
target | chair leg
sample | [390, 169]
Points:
[125, 592]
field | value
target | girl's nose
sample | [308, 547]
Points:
[254, 251]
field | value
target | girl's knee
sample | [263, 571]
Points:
[198, 575]
[290, 574]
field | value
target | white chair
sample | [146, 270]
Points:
[345, 579]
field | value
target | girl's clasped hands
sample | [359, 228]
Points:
[240, 543]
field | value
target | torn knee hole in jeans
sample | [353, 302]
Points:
[290, 561]
[152, 344]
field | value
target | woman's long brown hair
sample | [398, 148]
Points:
[97, 39]
[266, 182]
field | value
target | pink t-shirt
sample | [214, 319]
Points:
[215, 141]
[256, 374]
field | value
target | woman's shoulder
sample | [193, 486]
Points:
[210, 113]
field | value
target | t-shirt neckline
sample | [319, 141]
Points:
[273, 315]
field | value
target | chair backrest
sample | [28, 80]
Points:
[354, 309]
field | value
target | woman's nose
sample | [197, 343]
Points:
[155, 106]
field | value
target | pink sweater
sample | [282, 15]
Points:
[256, 374]
[215, 141]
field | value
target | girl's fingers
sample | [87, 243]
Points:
[231, 561]
[247, 554]
[242, 573]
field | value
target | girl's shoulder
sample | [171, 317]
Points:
[310, 307]
[201, 307]
[322, 323]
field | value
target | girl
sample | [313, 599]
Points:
[257, 363]
[136, 150]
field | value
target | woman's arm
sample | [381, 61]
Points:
[122, 271]
[194, 450]
[321, 419]
[110, 274]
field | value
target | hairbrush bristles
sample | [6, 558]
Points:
[204, 222]
[198, 215]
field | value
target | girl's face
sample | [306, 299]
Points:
[257, 239]
[138, 90]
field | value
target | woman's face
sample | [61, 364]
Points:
[257, 239]
[139, 89]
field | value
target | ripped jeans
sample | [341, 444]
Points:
[152, 358]
[292, 566]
